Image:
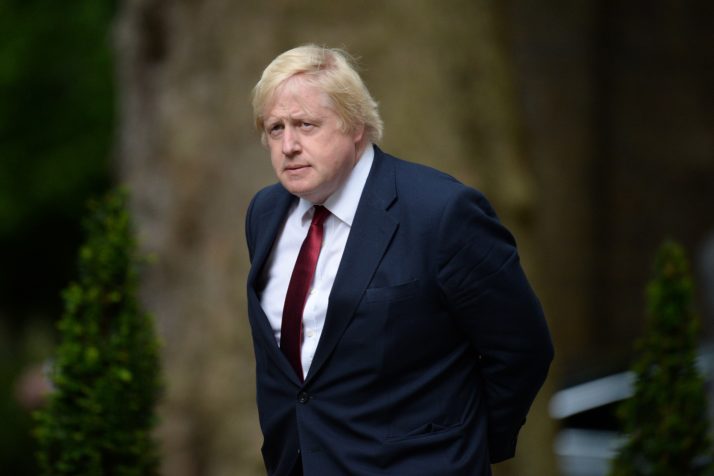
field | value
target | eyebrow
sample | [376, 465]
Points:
[312, 118]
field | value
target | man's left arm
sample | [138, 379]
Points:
[489, 296]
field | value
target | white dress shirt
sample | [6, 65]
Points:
[278, 269]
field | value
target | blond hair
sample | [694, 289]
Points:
[330, 69]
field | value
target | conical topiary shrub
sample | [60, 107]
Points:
[666, 420]
[100, 416]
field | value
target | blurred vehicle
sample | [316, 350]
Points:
[589, 438]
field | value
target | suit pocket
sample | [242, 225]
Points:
[399, 292]
[431, 431]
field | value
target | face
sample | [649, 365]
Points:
[309, 152]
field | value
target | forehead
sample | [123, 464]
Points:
[298, 96]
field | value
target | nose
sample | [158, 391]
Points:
[291, 143]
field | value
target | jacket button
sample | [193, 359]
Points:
[303, 397]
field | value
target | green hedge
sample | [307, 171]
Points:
[666, 421]
[100, 416]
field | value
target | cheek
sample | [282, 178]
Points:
[275, 158]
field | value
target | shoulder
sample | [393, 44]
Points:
[266, 199]
[431, 190]
[269, 200]
[455, 215]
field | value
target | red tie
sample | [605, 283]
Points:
[300, 281]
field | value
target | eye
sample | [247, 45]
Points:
[306, 125]
[274, 130]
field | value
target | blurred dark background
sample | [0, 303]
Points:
[56, 133]
[590, 125]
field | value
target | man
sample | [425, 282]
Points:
[394, 330]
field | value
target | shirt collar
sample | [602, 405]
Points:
[343, 203]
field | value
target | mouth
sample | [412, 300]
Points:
[293, 167]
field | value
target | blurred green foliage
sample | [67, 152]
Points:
[666, 420]
[56, 126]
[105, 373]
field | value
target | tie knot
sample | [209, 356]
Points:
[321, 214]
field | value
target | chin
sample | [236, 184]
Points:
[300, 192]
[310, 196]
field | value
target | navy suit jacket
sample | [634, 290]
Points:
[434, 344]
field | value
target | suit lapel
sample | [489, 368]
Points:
[371, 232]
[268, 225]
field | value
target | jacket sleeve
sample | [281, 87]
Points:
[490, 298]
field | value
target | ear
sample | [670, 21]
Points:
[358, 133]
